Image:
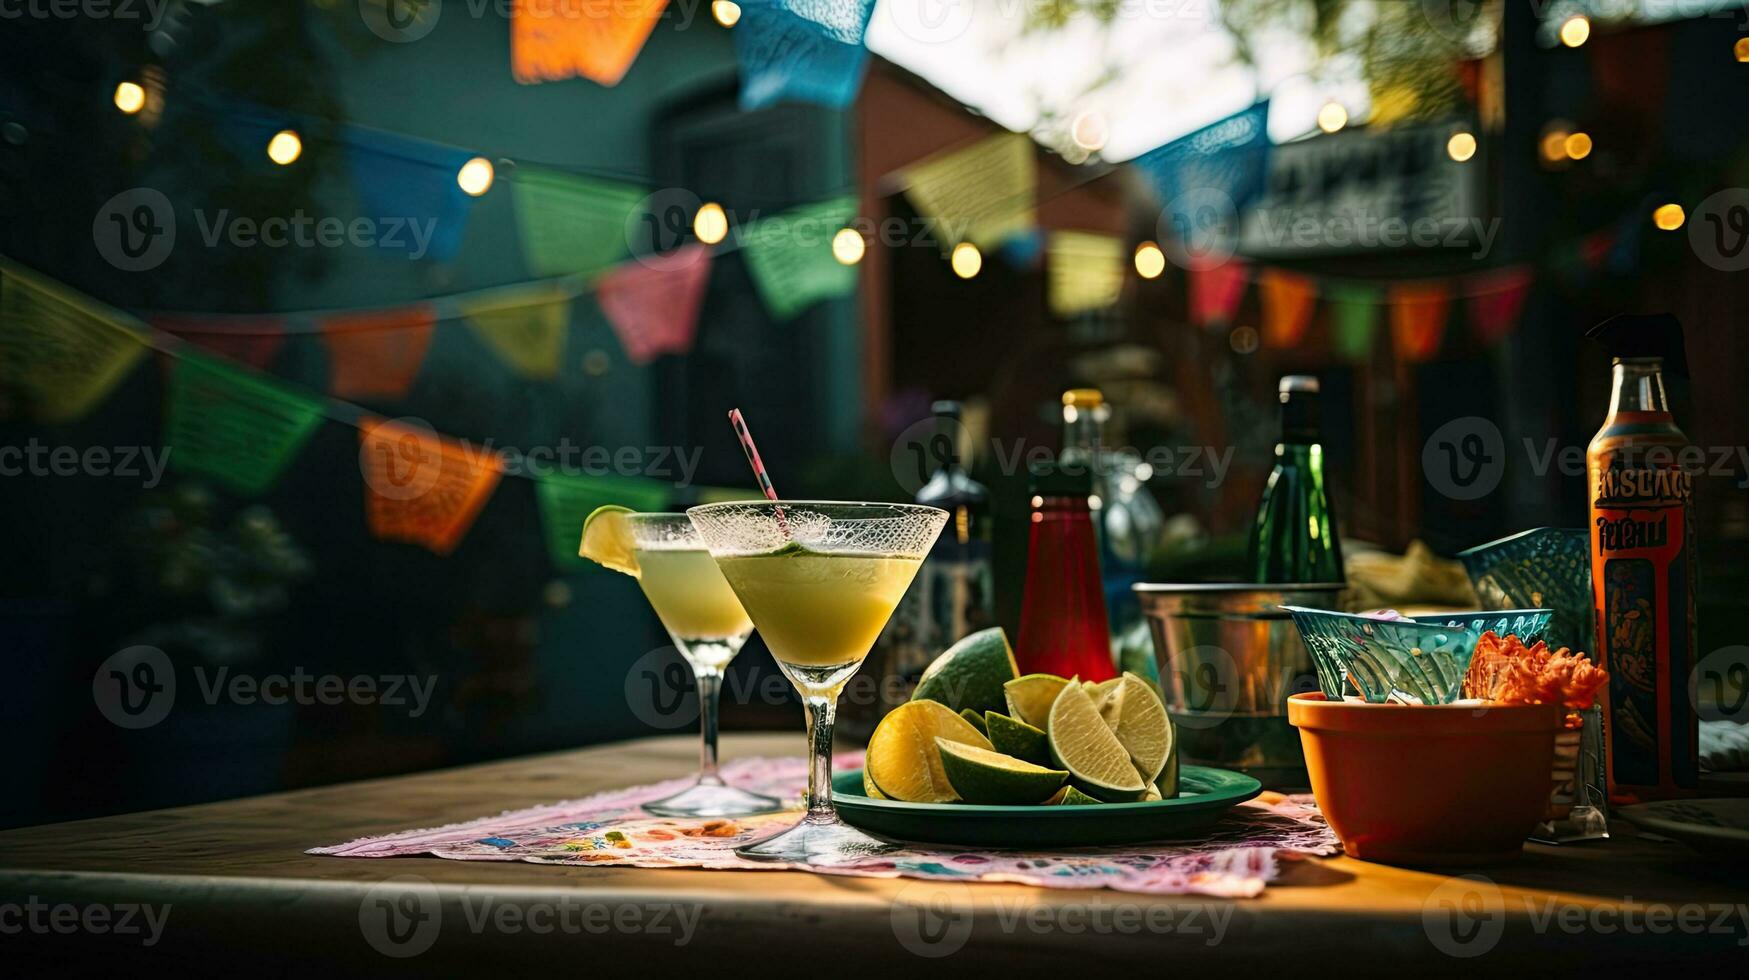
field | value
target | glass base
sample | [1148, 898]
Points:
[713, 800]
[820, 840]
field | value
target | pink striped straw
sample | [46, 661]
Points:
[759, 475]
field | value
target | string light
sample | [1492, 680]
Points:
[1150, 261]
[1332, 117]
[1575, 30]
[1461, 146]
[130, 97]
[848, 246]
[1089, 131]
[1553, 144]
[475, 176]
[726, 12]
[1577, 146]
[710, 224]
[1741, 50]
[285, 147]
[1669, 217]
[966, 260]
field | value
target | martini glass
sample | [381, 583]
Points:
[708, 626]
[820, 580]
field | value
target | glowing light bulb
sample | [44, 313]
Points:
[130, 97]
[710, 224]
[966, 260]
[1553, 144]
[726, 12]
[1150, 261]
[1461, 146]
[1089, 131]
[475, 176]
[848, 246]
[285, 147]
[1669, 217]
[1741, 50]
[1577, 146]
[1575, 30]
[1332, 117]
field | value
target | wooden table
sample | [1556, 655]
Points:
[243, 897]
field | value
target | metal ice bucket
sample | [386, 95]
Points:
[1229, 657]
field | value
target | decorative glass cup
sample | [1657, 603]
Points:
[820, 580]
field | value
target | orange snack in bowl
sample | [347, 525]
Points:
[1508, 672]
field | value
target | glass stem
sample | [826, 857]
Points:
[710, 685]
[821, 713]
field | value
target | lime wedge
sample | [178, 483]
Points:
[970, 674]
[1016, 738]
[1082, 744]
[1168, 781]
[607, 540]
[1070, 796]
[1030, 698]
[983, 776]
[1131, 708]
[975, 720]
[902, 756]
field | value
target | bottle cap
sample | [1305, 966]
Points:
[1083, 398]
[1644, 335]
[1298, 384]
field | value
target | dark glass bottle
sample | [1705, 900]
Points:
[953, 594]
[1295, 538]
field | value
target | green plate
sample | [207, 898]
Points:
[1204, 795]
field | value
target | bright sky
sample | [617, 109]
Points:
[1174, 69]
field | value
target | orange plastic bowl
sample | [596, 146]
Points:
[1455, 784]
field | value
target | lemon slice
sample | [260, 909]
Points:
[903, 760]
[608, 542]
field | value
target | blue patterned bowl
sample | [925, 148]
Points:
[1544, 566]
[1420, 662]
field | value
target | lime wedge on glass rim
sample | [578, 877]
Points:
[608, 541]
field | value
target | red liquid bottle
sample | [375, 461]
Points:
[1063, 629]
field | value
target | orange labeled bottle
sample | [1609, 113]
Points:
[1643, 565]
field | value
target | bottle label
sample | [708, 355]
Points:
[1641, 561]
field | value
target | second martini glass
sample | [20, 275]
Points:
[820, 580]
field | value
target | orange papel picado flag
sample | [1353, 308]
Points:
[551, 40]
[1288, 302]
[378, 353]
[420, 487]
[1418, 318]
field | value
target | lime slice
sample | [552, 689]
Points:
[1030, 698]
[1151, 794]
[970, 674]
[976, 721]
[1070, 796]
[1082, 744]
[607, 540]
[983, 776]
[1168, 781]
[1131, 708]
[902, 756]
[1016, 738]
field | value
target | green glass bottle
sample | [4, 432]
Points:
[1295, 537]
